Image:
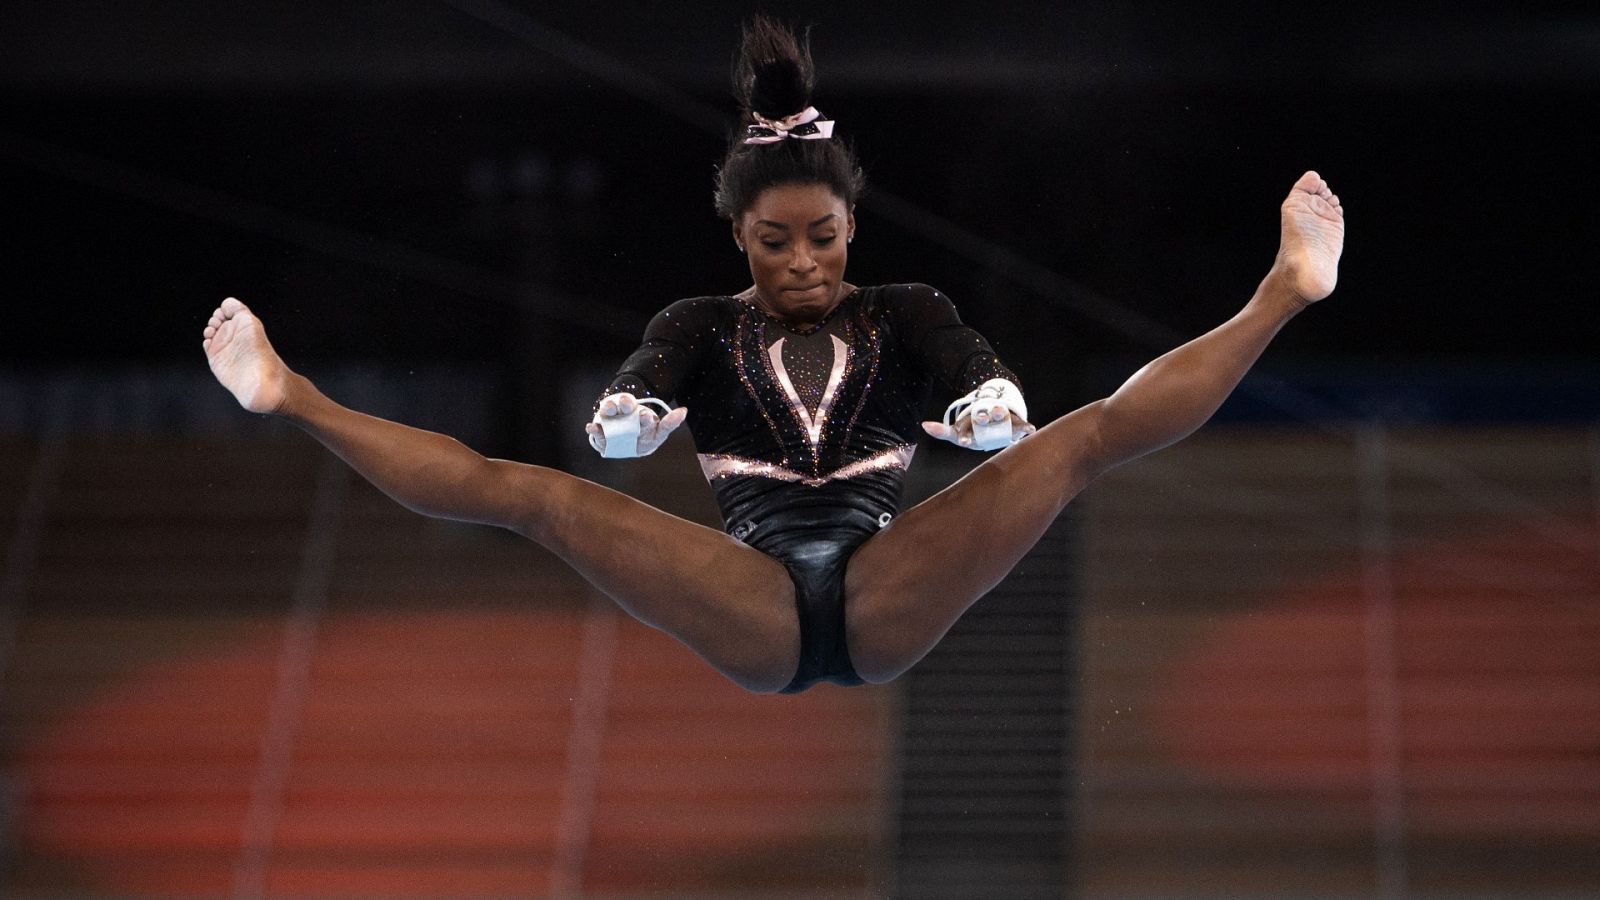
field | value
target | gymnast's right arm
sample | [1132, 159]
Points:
[673, 345]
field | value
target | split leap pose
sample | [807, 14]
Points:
[805, 392]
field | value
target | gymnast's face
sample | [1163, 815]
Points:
[795, 236]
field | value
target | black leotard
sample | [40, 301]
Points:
[813, 428]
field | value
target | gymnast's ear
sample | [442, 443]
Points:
[738, 234]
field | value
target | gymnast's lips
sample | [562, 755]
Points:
[814, 290]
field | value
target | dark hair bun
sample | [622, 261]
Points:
[773, 78]
[772, 74]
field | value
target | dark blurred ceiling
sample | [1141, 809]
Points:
[191, 45]
[459, 159]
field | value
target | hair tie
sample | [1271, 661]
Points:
[806, 125]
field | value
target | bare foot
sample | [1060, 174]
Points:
[1312, 238]
[236, 346]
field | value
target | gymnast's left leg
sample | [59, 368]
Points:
[909, 583]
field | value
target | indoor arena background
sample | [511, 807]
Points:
[1342, 643]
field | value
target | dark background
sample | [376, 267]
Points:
[479, 204]
[518, 186]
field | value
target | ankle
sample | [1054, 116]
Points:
[296, 398]
[1277, 292]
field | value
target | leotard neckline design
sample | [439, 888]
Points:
[802, 332]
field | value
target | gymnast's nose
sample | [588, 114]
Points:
[802, 261]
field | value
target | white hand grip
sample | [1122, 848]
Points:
[622, 432]
[990, 435]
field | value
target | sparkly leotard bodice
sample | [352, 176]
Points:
[829, 415]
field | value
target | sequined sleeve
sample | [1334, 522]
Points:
[944, 347]
[671, 353]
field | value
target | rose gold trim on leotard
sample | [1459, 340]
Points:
[722, 465]
[893, 458]
[812, 425]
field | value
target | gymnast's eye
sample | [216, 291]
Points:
[771, 244]
[825, 241]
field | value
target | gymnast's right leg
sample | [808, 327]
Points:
[732, 605]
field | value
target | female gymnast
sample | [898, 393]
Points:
[805, 392]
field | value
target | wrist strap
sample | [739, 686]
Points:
[622, 432]
[995, 389]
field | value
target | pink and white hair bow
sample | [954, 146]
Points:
[806, 125]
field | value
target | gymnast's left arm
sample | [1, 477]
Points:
[992, 413]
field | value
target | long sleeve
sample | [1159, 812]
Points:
[947, 349]
[674, 344]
